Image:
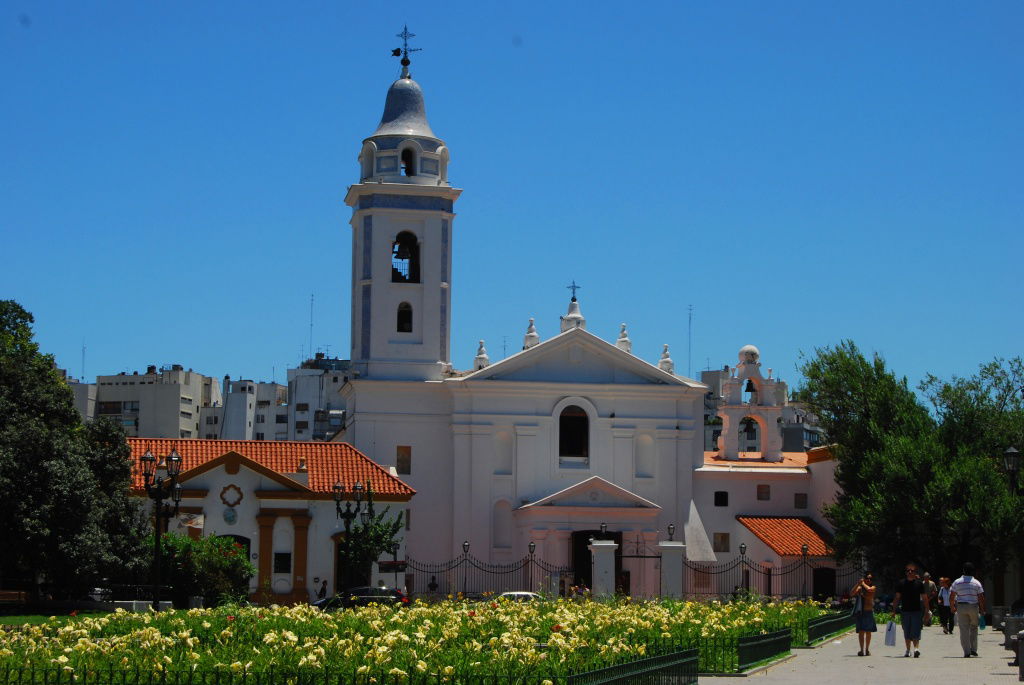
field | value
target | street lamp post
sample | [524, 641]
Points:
[803, 552]
[533, 548]
[159, 488]
[465, 570]
[1011, 462]
[348, 514]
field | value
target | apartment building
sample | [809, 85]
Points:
[160, 403]
[249, 411]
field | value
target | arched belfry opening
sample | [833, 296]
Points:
[573, 433]
[408, 162]
[404, 318]
[405, 259]
[750, 435]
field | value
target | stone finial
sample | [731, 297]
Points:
[624, 343]
[531, 338]
[481, 360]
[665, 363]
[573, 318]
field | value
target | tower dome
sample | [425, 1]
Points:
[405, 113]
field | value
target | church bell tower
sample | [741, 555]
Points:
[402, 212]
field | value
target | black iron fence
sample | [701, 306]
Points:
[818, 577]
[753, 649]
[470, 576]
[677, 666]
[823, 626]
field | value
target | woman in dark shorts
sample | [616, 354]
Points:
[864, 611]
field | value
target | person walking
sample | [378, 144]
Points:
[913, 604]
[945, 608]
[930, 589]
[968, 602]
[864, 611]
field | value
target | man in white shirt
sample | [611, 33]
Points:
[968, 602]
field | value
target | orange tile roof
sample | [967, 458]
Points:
[822, 453]
[789, 460]
[786, 534]
[326, 462]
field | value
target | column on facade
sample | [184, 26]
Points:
[556, 552]
[266, 522]
[300, 522]
[461, 480]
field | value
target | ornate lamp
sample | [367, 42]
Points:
[671, 531]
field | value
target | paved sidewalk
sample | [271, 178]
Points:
[941, 662]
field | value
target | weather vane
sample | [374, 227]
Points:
[405, 49]
[574, 288]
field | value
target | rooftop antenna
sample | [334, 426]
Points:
[405, 50]
[689, 341]
[311, 324]
[83, 360]
[504, 346]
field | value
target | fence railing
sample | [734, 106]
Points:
[472, 576]
[822, 626]
[816, 577]
[678, 666]
[754, 649]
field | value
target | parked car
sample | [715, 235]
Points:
[520, 596]
[361, 596]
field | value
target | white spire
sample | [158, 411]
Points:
[481, 360]
[665, 363]
[573, 318]
[624, 343]
[531, 338]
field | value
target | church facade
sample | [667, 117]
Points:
[570, 433]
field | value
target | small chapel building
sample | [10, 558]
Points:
[570, 433]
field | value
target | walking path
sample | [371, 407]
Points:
[941, 661]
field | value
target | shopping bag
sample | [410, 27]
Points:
[890, 634]
[981, 621]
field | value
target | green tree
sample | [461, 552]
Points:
[64, 513]
[214, 568]
[907, 491]
[367, 542]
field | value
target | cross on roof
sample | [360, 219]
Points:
[405, 49]
[574, 288]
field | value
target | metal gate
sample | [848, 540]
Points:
[820, 578]
[474, 577]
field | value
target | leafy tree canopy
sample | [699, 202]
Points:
[65, 515]
[918, 485]
[367, 542]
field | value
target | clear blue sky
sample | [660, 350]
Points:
[801, 172]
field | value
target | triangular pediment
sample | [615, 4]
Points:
[577, 356]
[233, 461]
[593, 492]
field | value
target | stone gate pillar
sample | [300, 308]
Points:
[671, 567]
[602, 554]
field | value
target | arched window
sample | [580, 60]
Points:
[366, 161]
[573, 433]
[404, 323]
[405, 259]
[408, 162]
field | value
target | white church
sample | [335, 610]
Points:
[568, 434]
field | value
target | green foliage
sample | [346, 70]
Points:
[215, 568]
[917, 486]
[64, 511]
[379, 535]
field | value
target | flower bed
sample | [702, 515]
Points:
[452, 640]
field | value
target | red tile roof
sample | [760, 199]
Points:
[786, 534]
[326, 463]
